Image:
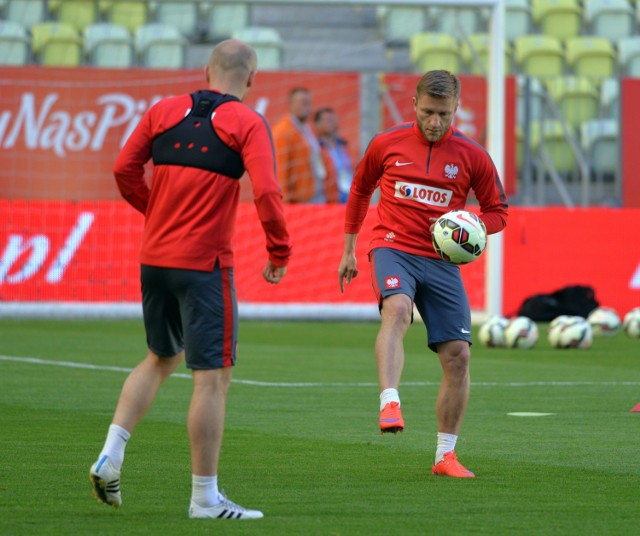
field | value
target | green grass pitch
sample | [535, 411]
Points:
[301, 440]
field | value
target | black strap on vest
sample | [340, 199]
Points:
[193, 142]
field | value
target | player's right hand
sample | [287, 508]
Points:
[347, 270]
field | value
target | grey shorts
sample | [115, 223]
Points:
[192, 311]
[435, 286]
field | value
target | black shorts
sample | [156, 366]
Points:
[192, 311]
[435, 286]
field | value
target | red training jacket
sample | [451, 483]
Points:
[420, 180]
[190, 213]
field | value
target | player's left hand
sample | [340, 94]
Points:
[272, 273]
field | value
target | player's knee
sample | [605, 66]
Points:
[397, 309]
[455, 356]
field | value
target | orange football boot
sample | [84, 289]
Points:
[391, 418]
[450, 466]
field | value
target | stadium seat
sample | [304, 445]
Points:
[128, 13]
[539, 55]
[578, 99]
[535, 99]
[399, 23]
[26, 12]
[558, 18]
[77, 13]
[160, 46]
[551, 134]
[600, 139]
[475, 52]
[629, 56]
[612, 19]
[434, 51]
[184, 15]
[224, 19]
[518, 19]
[591, 56]
[610, 98]
[56, 44]
[108, 45]
[455, 21]
[15, 46]
[267, 44]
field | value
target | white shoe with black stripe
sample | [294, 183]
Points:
[225, 510]
[105, 481]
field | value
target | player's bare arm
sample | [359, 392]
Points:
[348, 265]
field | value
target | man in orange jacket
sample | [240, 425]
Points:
[303, 167]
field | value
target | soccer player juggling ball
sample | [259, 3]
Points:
[424, 169]
[200, 144]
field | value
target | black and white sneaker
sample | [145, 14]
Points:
[225, 510]
[105, 480]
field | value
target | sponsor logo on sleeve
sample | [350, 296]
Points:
[423, 194]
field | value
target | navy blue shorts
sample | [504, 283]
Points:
[192, 311]
[435, 286]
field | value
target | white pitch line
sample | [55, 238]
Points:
[72, 364]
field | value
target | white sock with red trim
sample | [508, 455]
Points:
[389, 395]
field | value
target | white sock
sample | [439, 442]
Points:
[389, 395]
[115, 444]
[204, 490]
[446, 443]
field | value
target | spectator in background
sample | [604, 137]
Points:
[302, 165]
[327, 126]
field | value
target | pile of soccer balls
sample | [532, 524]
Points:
[564, 331]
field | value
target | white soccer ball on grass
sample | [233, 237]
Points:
[521, 332]
[631, 323]
[491, 333]
[604, 321]
[574, 332]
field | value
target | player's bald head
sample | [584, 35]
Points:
[232, 57]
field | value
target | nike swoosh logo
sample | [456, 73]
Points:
[464, 330]
[398, 163]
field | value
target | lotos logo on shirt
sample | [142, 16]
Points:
[423, 194]
[393, 281]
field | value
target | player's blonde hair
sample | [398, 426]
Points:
[440, 84]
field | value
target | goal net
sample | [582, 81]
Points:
[69, 243]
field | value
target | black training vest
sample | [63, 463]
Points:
[193, 142]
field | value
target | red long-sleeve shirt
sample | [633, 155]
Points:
[190, 212]
[420, 180]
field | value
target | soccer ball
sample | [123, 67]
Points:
[521, 332]
[558, 320]
[574, 332]
[604, 321]
[491, 333]
[631, 323]
[459, 237]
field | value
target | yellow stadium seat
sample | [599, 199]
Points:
[578, 99]
[591, 56]
[559, 18]
[108, 45]
[475, 53]
[434, 51]
[551, 134]
[629, 56]
[56, 44]
[539, 55]
[456, 21]
[613, 19]
[128, 13]
[160, 46]
[267, 44]
[77, 13]
[15, 46]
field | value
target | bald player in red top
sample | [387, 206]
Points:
[200, 145]
[424, 169]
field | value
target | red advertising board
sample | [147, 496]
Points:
[630, 119]
[88, 252]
